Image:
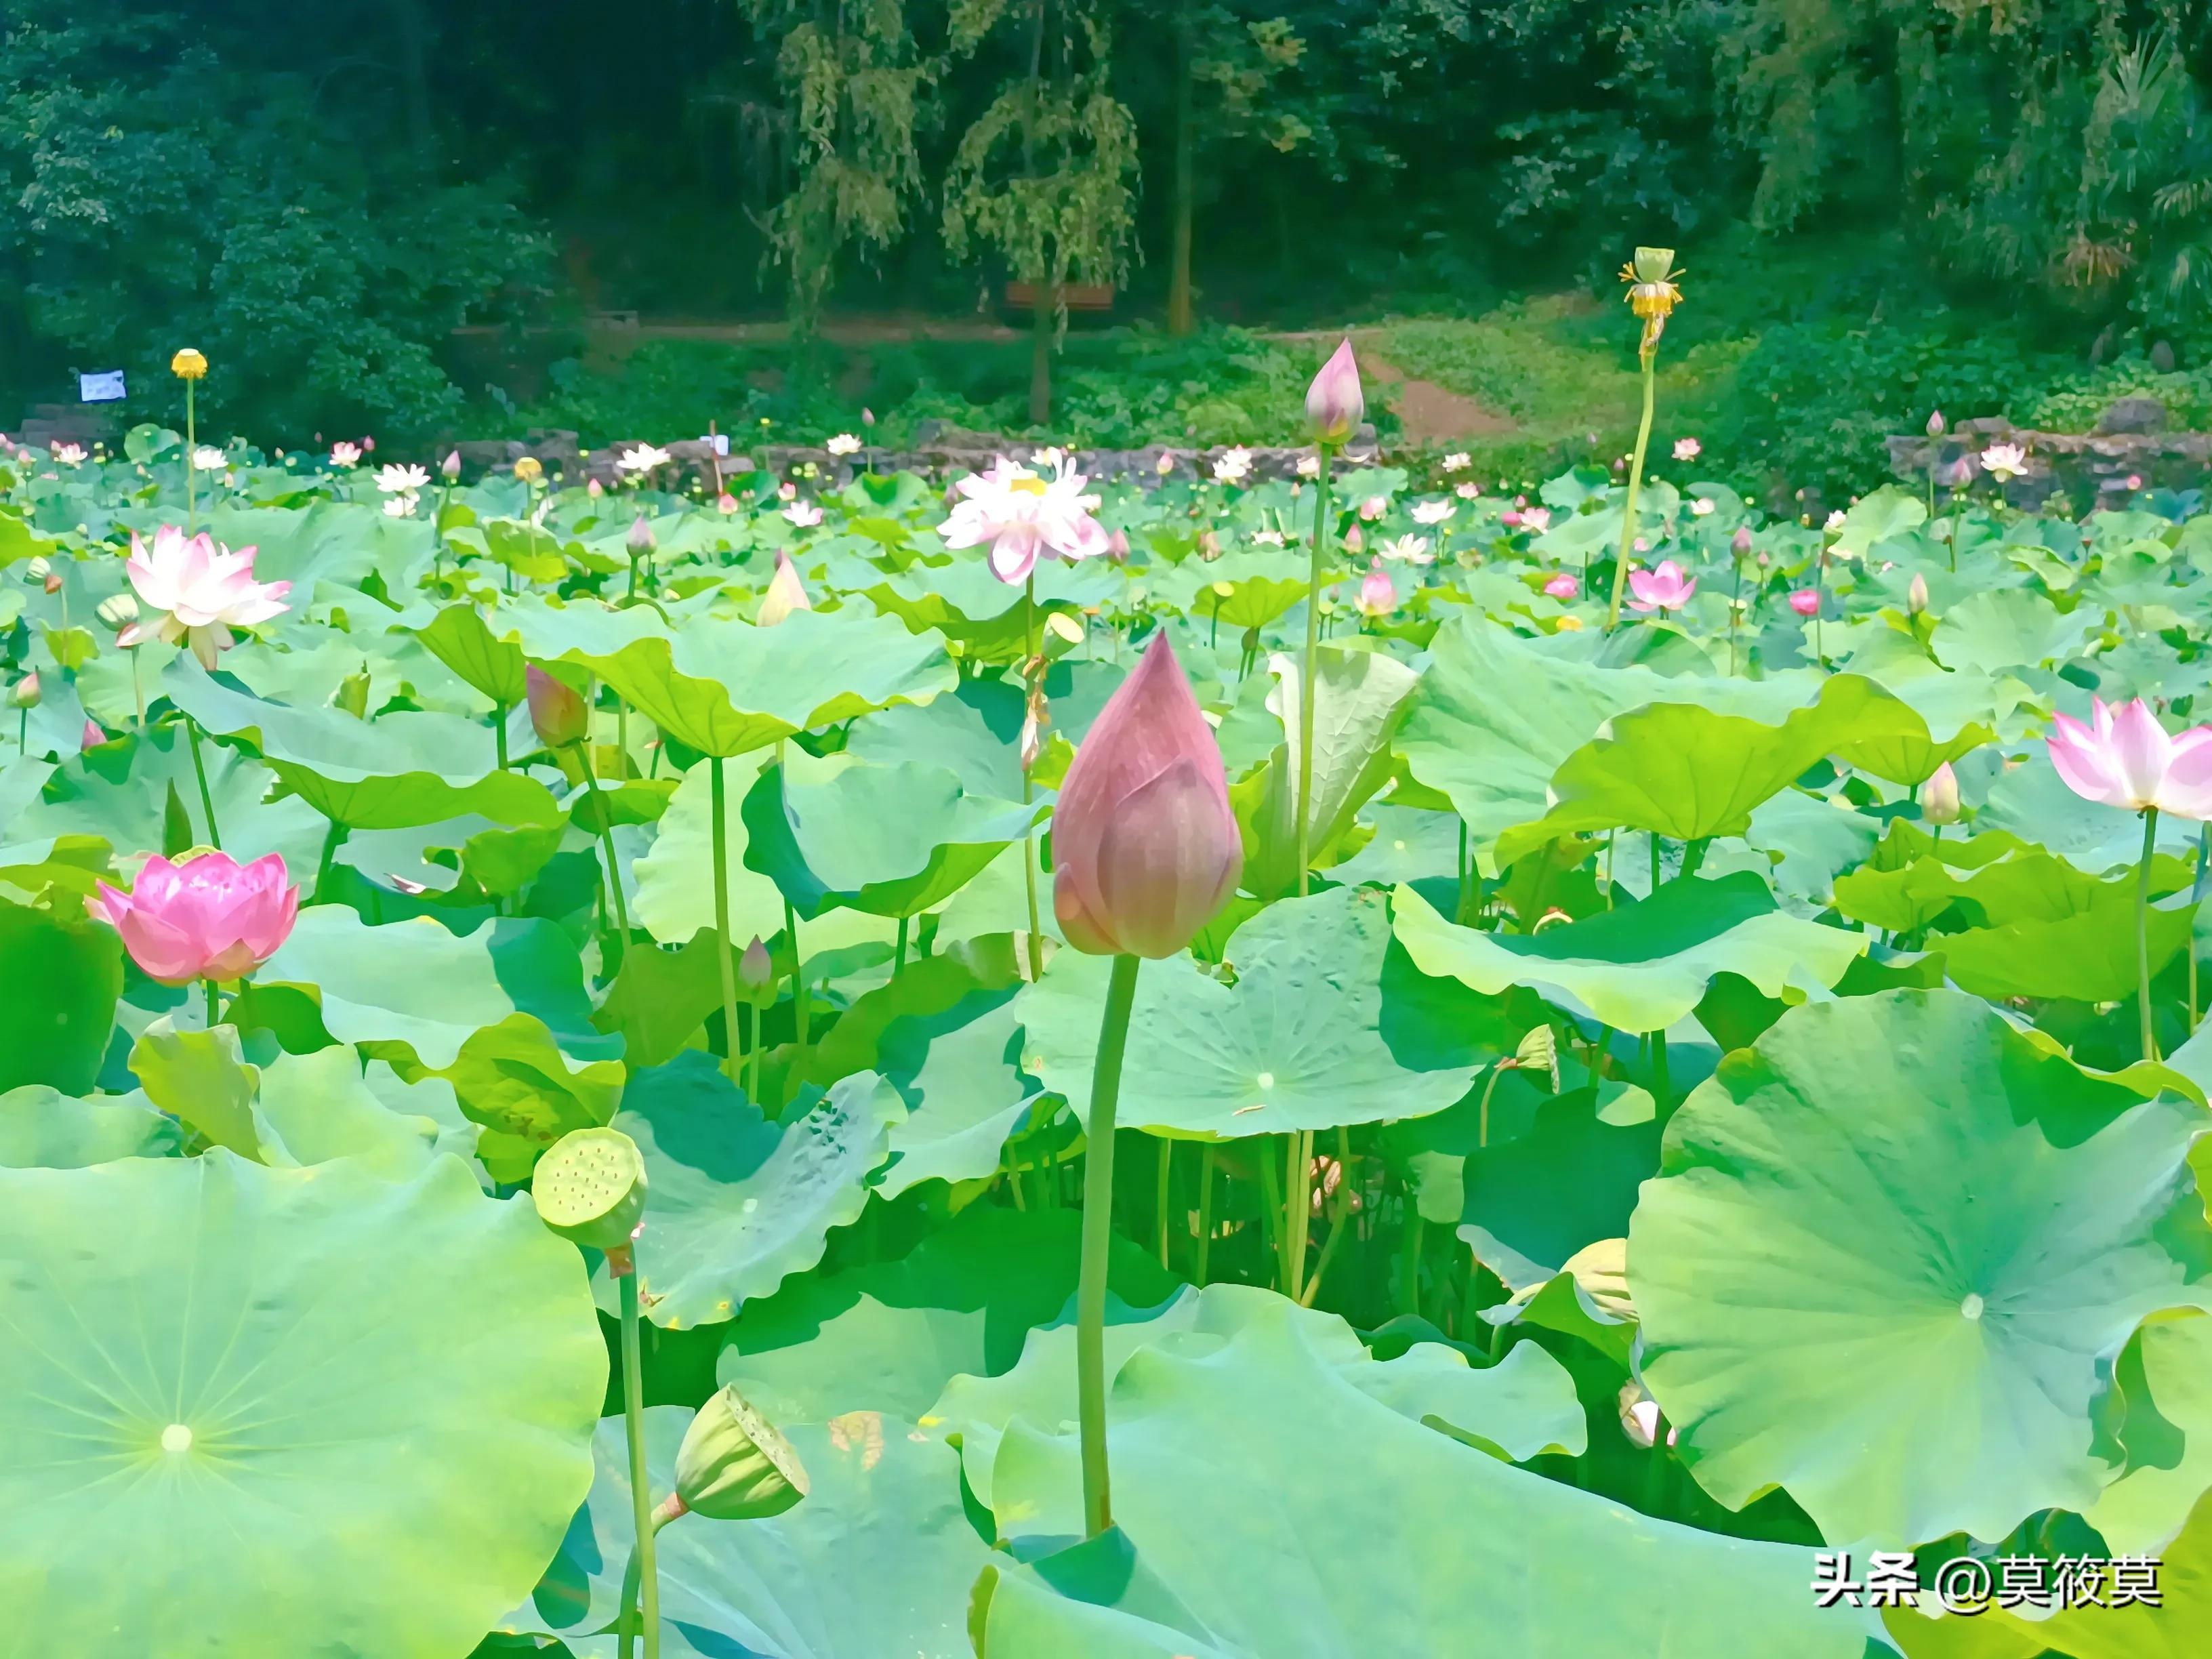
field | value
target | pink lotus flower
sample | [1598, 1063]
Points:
[1537, 519]
[2004, 462]
[2124, 759]
[1378, 594]
[199, 592]
[1144, 848]
[1335, 405]
[805, 514]
[1374, 507]
[558, 713]
[1687, 449]
[205, 918]
[1805, 601]
[593, 488]
[1022, 516]
[786, 593]
[1563, 586]
[726, 503]
[345, 454]
[93, 735]
[1664, 589]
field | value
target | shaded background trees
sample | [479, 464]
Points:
[321, 196]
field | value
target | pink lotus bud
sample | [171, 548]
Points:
[1916, 595]
[726, 503]
[1334, 403]
[1935, 423]
[867, 417]
[1117, 547]
[640, 536]
[26, 693]
[2135, 481]
[1378, 594]
[594, 488]
[93, 736]
[1939, 796]
[205, 918]
[1563, 586]
[1739, 543]
[557, 710]
[1374, 507]
[1509, 517]
[1805, 601]
[1353, 540]
[786, 491]
[368, 446]
[786, 593]
[756, 972]
[53, 582]
[451, 466]
[1144, 848]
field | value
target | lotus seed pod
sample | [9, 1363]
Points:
[590, 1189]
[1540, 1052]
[189, 365]
[735, 1465]
[117, 611]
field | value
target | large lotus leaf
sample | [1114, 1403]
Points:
[875, 1561]
[120, 791]
[1398, 1540]
[2002, 628]
[2088, 953]
[727, 686]
[341, 543]
[201, 1079]
[959, 1072]
[1689, 773]
[888, 1337]
[1497, 713]
[63, 974]
[1515, 1410]
[739, 1201]
[461, 639]
[1959, 713]
[1325, 1026]
[974, 731]
[316, 1108]
[1889, 511]
[519, 1082]
[385, 774]
[1643, 966]
[1530, 1204]
[413, 988]
[43, 1128]
[962, 600]
[1894, 1253]
[661, 999]
[2165, 1381]
[1248, 587]
[890, 840]
[215, 1370]
[1360, 700]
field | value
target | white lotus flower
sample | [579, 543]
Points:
[401, 506]
[805, 514]
[1701, 507]
[1413, 550]
[1432, 512]
[1268, 539]
[641, 459]
[2004, 462]
[345, 454]
[192, 592]
[66, 454]
[394, 479]
[1308, 466]
[844, 444]
[207, 459]
[1233, 466]
[1457, 461]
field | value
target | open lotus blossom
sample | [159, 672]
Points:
[1687, 449]
[1701, 506]
[844, 444]
[193, 591]
[641, 459]
[345, 454]
[1308, 466]
[1021, 516]
[1457, 461]
[1335, 405]
[1537, 519]
[394, 479]
[206, 917]
[1268, 539]
[1378, 594]
[401, 506]
[1835, 522]
[67, 454]
[1374, 507]
[2124, 759]
[1563, 586]
[1433, 512]
[207, 459]
[1665, 588]
[726, 503]
[805, 514]
[786, 593]
[1412, 549]
[1467, 491]
[1145, 848]
[1805, 601]
[2004, 462]
[1233, 465]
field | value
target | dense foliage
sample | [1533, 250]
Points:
[1712, 1090]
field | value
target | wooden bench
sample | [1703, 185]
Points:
[1077, 297]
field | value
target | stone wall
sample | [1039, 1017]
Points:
[2131, 451]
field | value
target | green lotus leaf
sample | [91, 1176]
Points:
[740, 1202]
[725, 688]
[661, 999]
[1894, 1253]
[1494, 753]
[1218, 1488]
[461, 639]
[520, 1083]
[882, 1492]
[888, 1337]
[973, 732]
[413, 988]
[57, 1034]
[386, 774]
[962, 600]
[890, 840]
[2165, 1380]
[2002, 628]
[1516, 1410]
[1324, 1026]
[1684, 771]
[959, 1072]
[201, 1079]
[1531, 1203]
[1248, 586]
[316, 1108]
[1645, 965]
[1958, 714]
[1889, 511]
[218, 1368]
[43, 1128]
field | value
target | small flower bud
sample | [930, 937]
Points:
[117, 611]
[756, 970]
[25, 693]
[37, 569]
[451, 466]
[558, 713]
[640, 536]
[1739, 543]
[1935, 425]
[1939, 797]
[1916, 596]
[1335, 405]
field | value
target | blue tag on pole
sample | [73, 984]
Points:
[105, 387]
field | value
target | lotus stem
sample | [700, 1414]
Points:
[1648, 356]
[331, 837]
[1166, 1171]
[1409, 1260]
[499, 734]
[640, 1495]
[1204, 1212]
[1298, 1213]
[1306, 673]
[801, 1014]
[1098, 1236]
[214, 1004]
[724, 957]
[614, 870]
[2142, 934]
[1029, 651]
[191, 467]
[199, 767]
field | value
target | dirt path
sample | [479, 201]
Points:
[1428, 412]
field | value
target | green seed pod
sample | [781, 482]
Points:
[1540, 1052]
[117, 611]
[735, 1465]
[590, 1189]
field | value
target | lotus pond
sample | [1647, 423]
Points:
[1604, 1119]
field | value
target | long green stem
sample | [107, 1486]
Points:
[1649, 356]
[192, 463]
[499, 734]
[214, 1005]
[724, 957]
[1306, 674]
[640, 1495]
[1409, 1260]
[2142, 932]
[1297, 1212]
[199, 773]
[614, 870]
[1029, 649]
[802, 1014]
[1166, 1172]
[331, 837]
[1204, 1212]
[1097, 1236]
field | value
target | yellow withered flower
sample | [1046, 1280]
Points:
[528, 469]
[189, 365]
[1652, 295]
